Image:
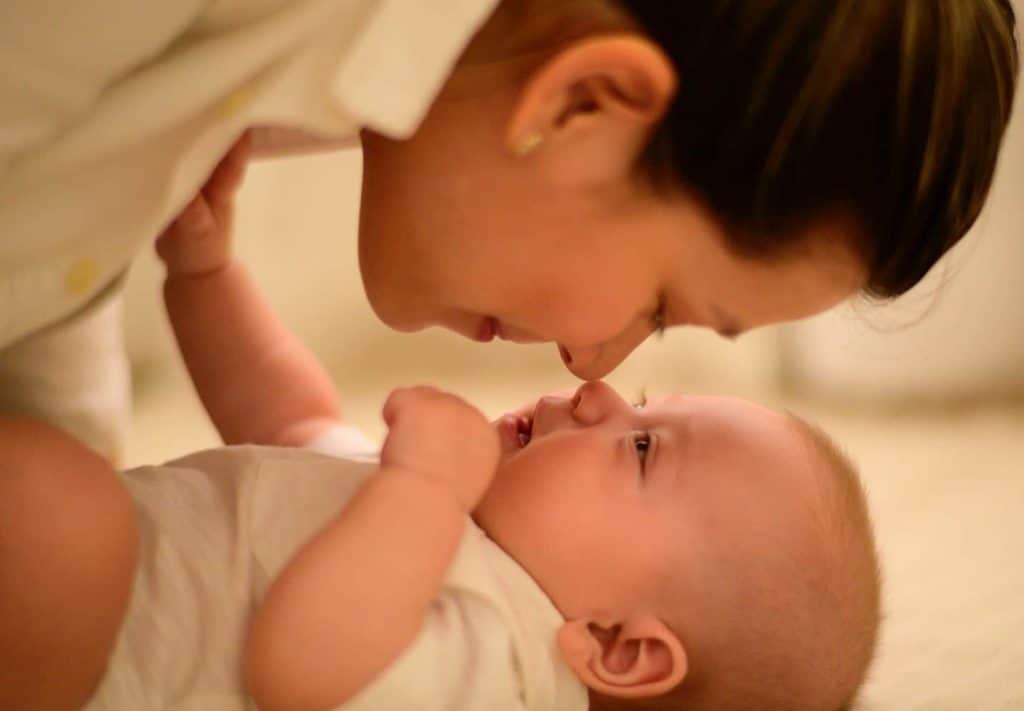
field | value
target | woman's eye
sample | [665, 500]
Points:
[658, 318]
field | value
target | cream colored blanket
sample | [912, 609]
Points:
[948, 500]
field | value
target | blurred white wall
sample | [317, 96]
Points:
[959, 335]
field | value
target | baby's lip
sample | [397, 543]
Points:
[525, 429]
[514, 431]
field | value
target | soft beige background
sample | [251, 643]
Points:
[926, 394]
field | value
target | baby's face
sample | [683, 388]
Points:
[600, 500]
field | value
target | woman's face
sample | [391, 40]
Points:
[596, 282]
[595, 276]
[565, 245]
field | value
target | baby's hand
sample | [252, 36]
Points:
[198, 241]
[440, 436]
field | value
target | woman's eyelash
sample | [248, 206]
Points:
[658, 317]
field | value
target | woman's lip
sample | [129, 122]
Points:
[488, 330]
[515, 335]
[491, 328]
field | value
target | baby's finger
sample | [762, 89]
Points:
[393, 405]
[229, 173]
[417, 396]
[176, 245]
[196, 220]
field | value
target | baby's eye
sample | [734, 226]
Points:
[641, 443]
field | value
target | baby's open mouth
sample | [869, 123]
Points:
[524, 429]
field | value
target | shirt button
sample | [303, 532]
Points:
[235, 102]
[81, 277]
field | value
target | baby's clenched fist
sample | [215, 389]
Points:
[440, 436]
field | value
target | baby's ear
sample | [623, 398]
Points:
[637, 658]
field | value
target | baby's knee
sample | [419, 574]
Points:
[68, 546]
[56, 492]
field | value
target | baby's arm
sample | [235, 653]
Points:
[256, 380]
[358, 593]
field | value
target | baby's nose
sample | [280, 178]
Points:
[595, 401]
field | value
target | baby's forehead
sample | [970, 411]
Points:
[718, 408]
[731, 432]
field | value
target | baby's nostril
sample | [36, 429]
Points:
[566, 355]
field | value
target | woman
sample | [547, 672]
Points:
[582, 172]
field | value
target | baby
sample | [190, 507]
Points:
[689, 553]
[696, 553]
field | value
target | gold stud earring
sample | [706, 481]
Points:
[528, 143]
[641, 400]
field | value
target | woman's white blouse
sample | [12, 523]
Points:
[114, 112]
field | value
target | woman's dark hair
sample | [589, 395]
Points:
[890, 112]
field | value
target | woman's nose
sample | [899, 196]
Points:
[595, 401]
[593, 362]
[585, 363]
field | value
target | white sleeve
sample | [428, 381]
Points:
[462, 659]
[58, 56]
[344, 441]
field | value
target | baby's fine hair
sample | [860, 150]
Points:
[887, 113]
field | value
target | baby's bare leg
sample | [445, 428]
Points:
[68, 543]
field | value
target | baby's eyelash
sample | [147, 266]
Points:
[642, 444]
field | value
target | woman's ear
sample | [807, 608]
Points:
[589, 110]
[638, 658]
